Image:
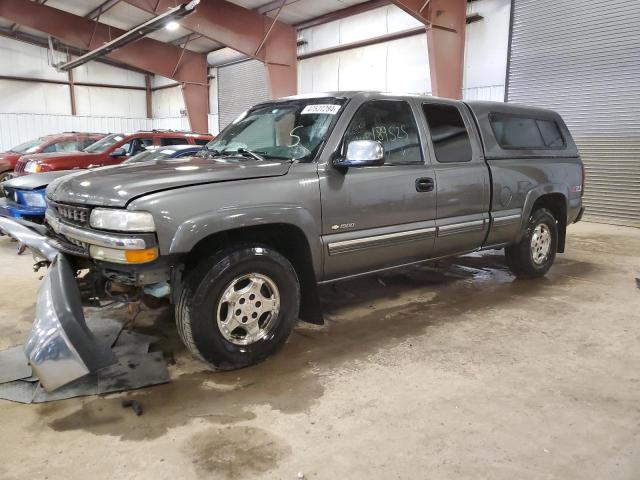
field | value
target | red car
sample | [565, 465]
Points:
[61, 142]
[111, 150]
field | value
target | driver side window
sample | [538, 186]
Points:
[392, 123]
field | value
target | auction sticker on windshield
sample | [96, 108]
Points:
[321, 109]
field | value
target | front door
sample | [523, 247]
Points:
[382, 216]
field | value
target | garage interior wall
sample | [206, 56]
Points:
[403, 64]
[582, 58]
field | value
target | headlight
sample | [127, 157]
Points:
[122, 220]
[34, 199]
[33, 167]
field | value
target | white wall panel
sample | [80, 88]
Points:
[116, 102]
[32, 97]
[168, 102]
[494, 93]
[95, 72]
[16, 128]
[374, 23]
[24, 60]
[401, 65]
[487, 44]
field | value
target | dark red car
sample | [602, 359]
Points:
[61, 142]
[111, 150]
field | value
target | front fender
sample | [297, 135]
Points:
[196, 229]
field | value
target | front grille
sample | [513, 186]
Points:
[20, 166]
[72, 213]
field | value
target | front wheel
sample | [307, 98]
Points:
[533, 256]
[4, 176]
[238, 307]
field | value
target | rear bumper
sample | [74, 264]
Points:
[60, 347]
[12, 209]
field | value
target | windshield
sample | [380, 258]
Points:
[102, 145]
[28, 147]
[148, 155]
[289, 131]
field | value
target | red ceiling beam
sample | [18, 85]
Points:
[243, 30]
[445, 21]
[147, 54]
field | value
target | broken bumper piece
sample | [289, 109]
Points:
[60, 346]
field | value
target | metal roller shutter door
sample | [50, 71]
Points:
[582, 58]
[240, 86]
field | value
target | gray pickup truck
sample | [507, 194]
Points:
[294, 193]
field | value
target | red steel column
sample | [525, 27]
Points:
[446, 23]
[243, 30]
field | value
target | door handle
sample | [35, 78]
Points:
[425, 184]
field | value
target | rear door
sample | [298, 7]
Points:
[462, 178]
[382, 216]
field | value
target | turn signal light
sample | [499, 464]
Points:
[141, 256]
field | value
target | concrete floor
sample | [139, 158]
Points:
[453, 371]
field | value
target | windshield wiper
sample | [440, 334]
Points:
[245, 152]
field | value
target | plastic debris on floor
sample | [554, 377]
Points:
[136, 368]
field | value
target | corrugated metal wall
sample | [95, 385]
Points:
[582, 58]
[240, 86]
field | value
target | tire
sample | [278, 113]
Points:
[209, 326]
[3, 177]
[533, 256]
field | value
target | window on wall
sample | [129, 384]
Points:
[449, 134]
[516, 132]
[391, 123]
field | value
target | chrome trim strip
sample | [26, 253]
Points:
[464, 227]
[94, 238]
[348, 246]
[507, 219]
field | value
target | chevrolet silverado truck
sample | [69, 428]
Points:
[295, 193]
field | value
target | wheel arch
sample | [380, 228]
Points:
[553, 197]
[287, 239]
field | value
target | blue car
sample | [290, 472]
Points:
[24, 196]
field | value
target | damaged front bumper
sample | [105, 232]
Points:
[60, 347]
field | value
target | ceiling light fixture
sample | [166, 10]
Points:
[172, 26]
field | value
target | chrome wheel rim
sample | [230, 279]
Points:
[540, 244]
[248, 308]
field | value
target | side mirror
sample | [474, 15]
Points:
[362, 153]
[118, 152]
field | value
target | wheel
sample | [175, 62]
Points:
[533, 256]
[4, 176]
[238, 307]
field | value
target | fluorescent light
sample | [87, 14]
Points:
[172, 26]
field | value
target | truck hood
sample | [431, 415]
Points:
[50, 158]
[118, 185]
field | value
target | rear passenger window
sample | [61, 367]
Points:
[449, 135]
[514, 132]
[173, 141]
[391, 123]
[201, 141]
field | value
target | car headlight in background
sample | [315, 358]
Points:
[34, 199]
[122, 220]
[33, 167]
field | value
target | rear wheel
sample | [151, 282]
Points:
[239, 306]
[535, 253]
